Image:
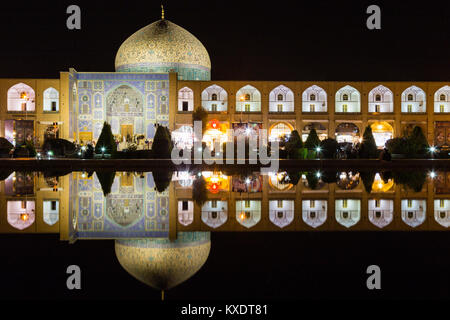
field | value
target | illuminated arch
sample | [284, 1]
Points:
[414, 100]
[281, 99]
[281, 212]
[413, 211]
[348, 212]
[442, 100]
[185, 99]
[381, 99]
[382, 131]
[314, 212]
[348, 99]
[248, 99]
[279, 129]
[51, 99]
[214, 99]
[21, 97]
[248, 215]
[20, 214]
[381, 212]
[347, 132]
[314, 99]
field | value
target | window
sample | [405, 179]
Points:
[441, 203]
[344, 108]
[53, 205]
[247, 97]
[345, 215]
[280, 108]
[378, 214]
[312, 107]
[185, 106]
[214, 97]
[441, 108]
[409, 107]
[213, 203]
[247, 203]
[214, 107]
[280, 214]
[377, 108]
[214, 215]
[344, 203]
[442, 97]
[312, 203]
[410, 214]
[54, 106]
[185, 206]
[312, 214]
[312, 97]
[377, 97]
[345, 97]
[279, 203]
[409, 203]
[442, 214]
[280, 97]
[377, 203]
[85, 109]
[410, 97]
[247, 108]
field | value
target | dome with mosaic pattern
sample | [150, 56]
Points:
[164, 46]
[161, 263]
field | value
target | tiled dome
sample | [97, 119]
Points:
[164, 46]
[163, 264]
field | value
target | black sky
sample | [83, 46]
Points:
[246, 40]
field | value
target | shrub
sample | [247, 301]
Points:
[106, 140]
[5, 146]
[397, 145]
[418, 142]
[329, 148]
[368, 148]
[59, 147]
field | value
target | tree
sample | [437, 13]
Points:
[367, 178]
[200, 114]
[106, 180]
[293, 145]
[313, 141]
[417, 141]
[329, 148]
[106, 141]
[162, 143]
[368, 148]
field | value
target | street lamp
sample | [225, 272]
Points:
[318, 149]
[103, 151]
[432, 150]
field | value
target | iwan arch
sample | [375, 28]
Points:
[163, 74]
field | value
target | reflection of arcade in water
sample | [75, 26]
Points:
[136, 205]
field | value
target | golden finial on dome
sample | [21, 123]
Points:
[162, 12]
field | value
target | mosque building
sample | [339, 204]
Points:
[163, 74]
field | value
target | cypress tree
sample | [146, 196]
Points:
[294, 144]
[106, 140]
[312, 141]
[162, 143]
[368, 147]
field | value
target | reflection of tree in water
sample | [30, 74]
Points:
[410, 179]
[199, 190]
[367, 178]
[313, 181]
[106, 180]
[162, 179]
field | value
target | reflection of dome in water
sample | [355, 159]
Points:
[163, 264]
[164, 46]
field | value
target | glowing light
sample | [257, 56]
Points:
[380, 127]
[433, 149]
[318, 174]
[247, 181]
[318, 149]
[103, 149]
[79, 153]
[83, 148]
[242, 216]
[199, 149]
[50, 153]
[83, 175]
[24, 216]
[432, 174]
[247, 131]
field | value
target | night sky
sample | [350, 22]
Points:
[302, 40]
